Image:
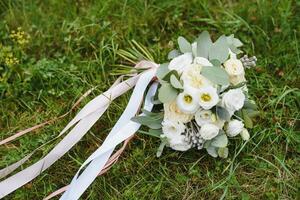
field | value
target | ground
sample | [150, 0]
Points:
[64, 48]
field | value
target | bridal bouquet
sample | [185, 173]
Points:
[198, 99]
[202, 99]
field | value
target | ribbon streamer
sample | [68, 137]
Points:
[83, 121]
[123, 129]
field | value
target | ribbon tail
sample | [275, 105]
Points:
[123, 129]
[92, 112]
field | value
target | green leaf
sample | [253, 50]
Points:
[175, 82]
[250, 105]
[219, 50]
[247, 120]
[216, 63]
[211, 150]
[216, 74]
[220, 141]
[204, 43]
[148, 121]
[222, 113]
[223, 152]
[162, 70]
[167, 93]
[160, 149]
[152, 132]
[237, 42]
[184, 45]
[173, 54]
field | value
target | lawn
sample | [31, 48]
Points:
[52, 51]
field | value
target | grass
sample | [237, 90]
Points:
[73, 48]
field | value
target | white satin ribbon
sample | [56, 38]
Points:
[84, 120]
[123, 129]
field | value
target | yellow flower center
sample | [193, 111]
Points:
[188, 99]
[205, 97]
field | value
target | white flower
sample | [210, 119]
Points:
[172, 127]
[234, 67]
[208, 97]
[233, 100]
[234, 128]
[202, 62]
[187, 101]
[204, 117]
[209, 131]
[181, 62]
[191, 77]
[173, 130]
[235, 70]
[172, 112]
[178, 143]
[245, 134]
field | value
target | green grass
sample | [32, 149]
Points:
[73, 47]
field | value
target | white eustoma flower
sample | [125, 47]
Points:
[194, 48]
[245, 134]
[208, 97]
[234, 128]
[204, 117]
[191, 77]
[187, 101]
[233, 100]
[181, 62]
[172, 127]
[202, 62]
[209, 131]
[172, 112]
[235, 70]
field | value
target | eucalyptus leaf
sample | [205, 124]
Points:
[167, 93]
[151, 132]
[222, 113]
[220, 141]
[175, 82]
[250, 105]
[216, 63]
[204, 43]
[216, 74]
[211, 150]
[247, 120]
[219, 50]
[237, 42]
[148, 121]
[173, 54]
[184, 45]
[160, 149]
[223, 152]
[162, 70]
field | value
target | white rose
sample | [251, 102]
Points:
[204, 117]
[187, 101]
[172, 127]
[233, 100]
[234, 67]
[178, 143]
[181, 62]
[208, 97]
[245, 134]
[234, 128]
[173, 130]
[235, 70]
[191, 77]
[172, 112]
[209, 131]
[202, 61]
